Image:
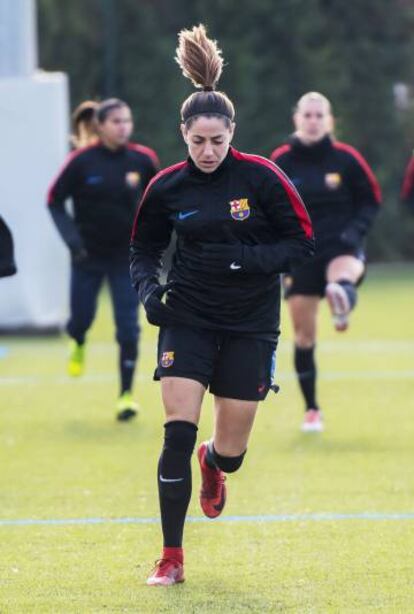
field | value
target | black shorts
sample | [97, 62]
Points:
[232, 366]
[310, 278]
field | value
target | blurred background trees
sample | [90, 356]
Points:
[359, 54]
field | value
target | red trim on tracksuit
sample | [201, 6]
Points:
[165, 171]
[408, 182]
[73, 154]
[147, 151]
[294, 198]
[279, 151]
[365, 167]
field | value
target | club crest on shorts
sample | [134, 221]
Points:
[333, 180]
[132, 179]
[240, 209]
[167, 359]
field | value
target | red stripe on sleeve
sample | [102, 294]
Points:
[279, 151]
[73, 154]
[294, 198]
[165, 171]
[147, 151]
[365, 167]
[408, 182]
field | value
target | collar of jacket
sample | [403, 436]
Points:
[112, 152]
[314, 151]
[224, 166]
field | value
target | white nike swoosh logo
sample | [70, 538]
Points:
[234, 266]
[170, 479]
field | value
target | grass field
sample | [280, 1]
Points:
[63, 457]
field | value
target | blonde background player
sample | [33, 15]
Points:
[342, 196]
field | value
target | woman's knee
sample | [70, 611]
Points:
[128, 333]
[305, 339]
[348, 268]
[174, 467]
[182, 399]
[233, 425]
[303, 311]
[180, 436]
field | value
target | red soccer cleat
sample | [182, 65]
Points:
[339, 305]
[213, 489]
[312, 422]
[166, 573]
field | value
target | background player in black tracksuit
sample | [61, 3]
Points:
[407, 188]
[239, 223]
[104, 181]
[342, 196]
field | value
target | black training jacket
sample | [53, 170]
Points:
[104, 186]
[340, 190]
[247, 201]
[407, 188]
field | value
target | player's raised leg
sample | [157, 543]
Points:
[343, 273]
[225, 452]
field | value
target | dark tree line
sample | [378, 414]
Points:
[353, 52]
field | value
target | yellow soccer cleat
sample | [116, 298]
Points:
[76, 362]
[126, 406]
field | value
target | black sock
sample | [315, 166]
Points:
[306, 371]
[228, 464]
[174, 479]
[127, 361]
[350, 290]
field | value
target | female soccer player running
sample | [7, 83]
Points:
[104, 181]
[342, 195]
[239, 223]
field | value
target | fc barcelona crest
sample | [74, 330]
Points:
[167, 359]
[240, 209]
[333, 180]
[132, 179]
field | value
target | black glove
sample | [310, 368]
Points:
[79, 255]
[157, 312]
[351, 237]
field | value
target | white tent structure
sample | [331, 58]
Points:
[34, 141]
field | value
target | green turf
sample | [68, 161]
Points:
[62, 455]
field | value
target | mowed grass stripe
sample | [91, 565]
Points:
[312, 534]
